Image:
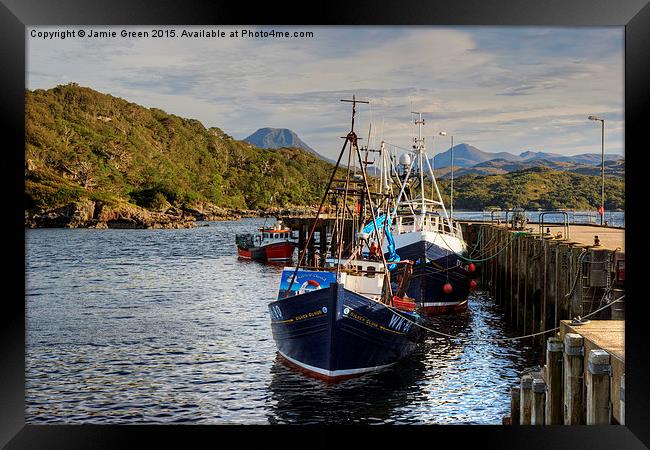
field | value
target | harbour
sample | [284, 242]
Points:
[545, 276]
[178, 362]
[191, 276]
[384, 278]
[192, 347]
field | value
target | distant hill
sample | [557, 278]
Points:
[83, 145]
[536, 187]
[466, 155]
[469, 156]
[500, 166]
[281, 137]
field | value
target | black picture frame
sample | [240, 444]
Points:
[15, 15]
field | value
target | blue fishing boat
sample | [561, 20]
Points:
[443, 275]
[345, 317]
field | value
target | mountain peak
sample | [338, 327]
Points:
[280, 137]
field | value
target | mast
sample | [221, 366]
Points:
[419, 146]
[420, 162]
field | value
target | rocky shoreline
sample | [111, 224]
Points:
[97, 214]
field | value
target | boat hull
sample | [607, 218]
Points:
[436, 266]
[333, 333]
[273, 252]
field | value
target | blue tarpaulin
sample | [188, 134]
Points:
[392, 255]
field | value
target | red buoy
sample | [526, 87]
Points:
[446, 288]
[473, 285]
[471, 268]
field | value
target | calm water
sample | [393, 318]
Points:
[161, 326]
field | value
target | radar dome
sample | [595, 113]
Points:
[405, 159]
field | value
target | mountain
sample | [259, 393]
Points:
[585, 158]
[281, 137]
[469, 156]
[466, 155]
[85, 146]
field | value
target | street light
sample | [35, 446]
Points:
[444, 133]
[602, 170]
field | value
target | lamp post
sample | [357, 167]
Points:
[602, 170]
[451, 202]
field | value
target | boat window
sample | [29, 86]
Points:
[371, 272]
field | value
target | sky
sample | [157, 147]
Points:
[509, 89]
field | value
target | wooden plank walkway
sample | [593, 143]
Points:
[608, 335]
[610, 238]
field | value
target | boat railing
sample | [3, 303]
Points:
[556, 216]
[433, 224]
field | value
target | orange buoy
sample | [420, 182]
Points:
[447, 288]
[471, 268]
[473, 285]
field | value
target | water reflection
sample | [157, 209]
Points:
[373, 398]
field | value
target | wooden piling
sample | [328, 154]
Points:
[573, 379]
[323, 242]
[554, 356]
[515, 400]
[576, 298]
[526, 399]
[622, 410]
[538, 402]
[598, 385]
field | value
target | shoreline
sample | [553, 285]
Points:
[123, 215]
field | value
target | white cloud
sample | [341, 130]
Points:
[497, 88]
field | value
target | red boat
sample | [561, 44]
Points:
[270, 244]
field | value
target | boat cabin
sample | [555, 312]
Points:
[272, 235]
[361, 276]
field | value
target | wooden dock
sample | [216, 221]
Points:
[582, 382]
[607, 335]
[540, 279]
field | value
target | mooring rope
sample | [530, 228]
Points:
[476, 340]
[514, 235]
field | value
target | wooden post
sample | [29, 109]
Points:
[515, 397]
[537, 407]
[598, 402]
[573, 379]
[554, 348]
[323, 242]
[622, 413]
[511, 283]
[542, 285]
[526, 399]
[301, 237]
[576, 300]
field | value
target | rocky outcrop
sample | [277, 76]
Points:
[96, 214]
[91, 214]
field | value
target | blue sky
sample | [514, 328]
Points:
[498, 88]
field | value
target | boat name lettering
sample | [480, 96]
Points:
[362, 319]
[310, 315]
[399, 323]
[276, 312]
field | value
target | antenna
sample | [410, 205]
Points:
[354, 102]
